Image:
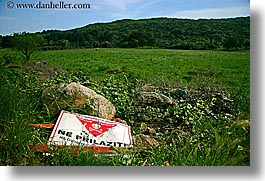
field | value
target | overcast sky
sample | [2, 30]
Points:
[13, 19]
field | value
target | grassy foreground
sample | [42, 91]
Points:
[190, 133]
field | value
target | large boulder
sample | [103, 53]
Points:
[74, 95]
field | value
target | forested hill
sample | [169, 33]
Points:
[232, 33]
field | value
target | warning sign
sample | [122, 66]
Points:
[96, 127]
[83, 130]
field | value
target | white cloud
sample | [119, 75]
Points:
[7, 18]
[122, 8]
[110, 5]
[213, 13]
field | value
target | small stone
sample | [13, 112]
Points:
[155, 99]
[145, 141]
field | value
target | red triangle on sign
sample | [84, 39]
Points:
[95, 127]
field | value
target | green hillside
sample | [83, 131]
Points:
[201, 34]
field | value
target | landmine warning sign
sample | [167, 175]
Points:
[83, 130]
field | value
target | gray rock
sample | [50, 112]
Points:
[155, 99]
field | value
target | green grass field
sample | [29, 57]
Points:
[226, 69]
[212, 137]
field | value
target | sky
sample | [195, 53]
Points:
[14, 19]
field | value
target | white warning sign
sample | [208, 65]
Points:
[73, 129]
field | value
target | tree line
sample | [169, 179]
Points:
[171, 33]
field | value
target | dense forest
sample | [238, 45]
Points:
[173, 33]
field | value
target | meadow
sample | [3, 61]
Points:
[175, 67]
[207, 131]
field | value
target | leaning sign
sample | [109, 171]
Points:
[73, 129]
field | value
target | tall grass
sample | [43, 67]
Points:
[15, 116]
[219, 150]
[20, 106]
